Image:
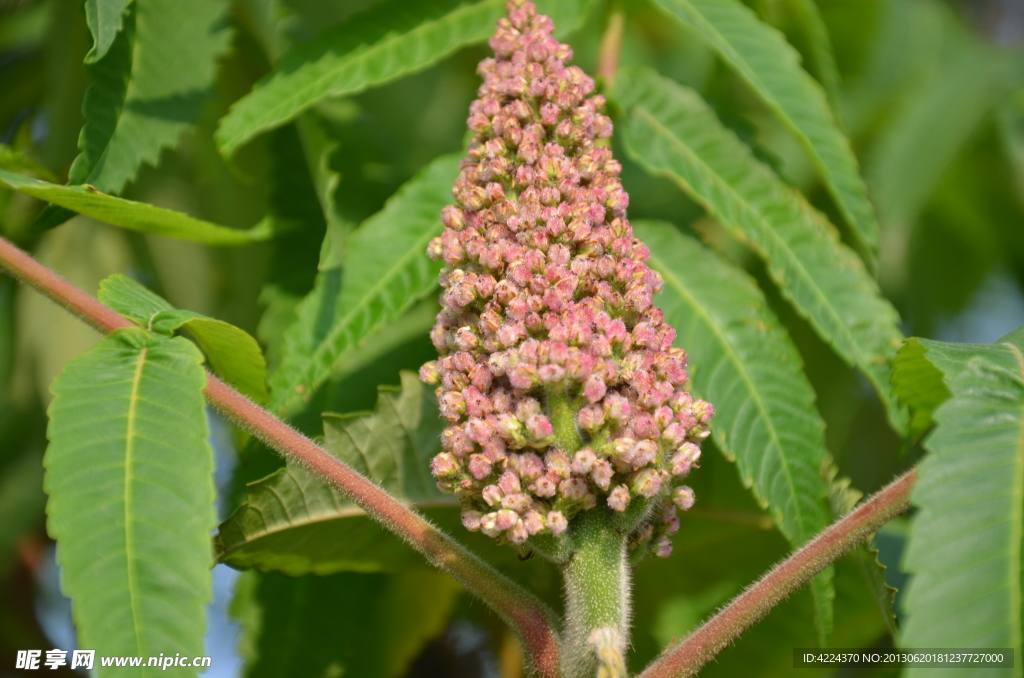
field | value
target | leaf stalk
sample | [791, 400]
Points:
[530, 618]
[689, 656]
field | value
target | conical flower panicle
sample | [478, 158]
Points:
[548, 298]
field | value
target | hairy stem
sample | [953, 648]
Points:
[686, 658]
[562, 412]
[531, 620]
[597, 599]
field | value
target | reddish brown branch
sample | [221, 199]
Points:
[686, 658]
[518, 607]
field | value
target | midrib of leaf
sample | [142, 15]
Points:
[755, 396]
[769, 232]
[129, 536]
[313, 518]
[370, 51]
[865, 240]
[372, 294]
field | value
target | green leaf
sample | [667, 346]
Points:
[135, 216]
[386, 42]
[771, 67]
[292, 522]
[344, 624]
[672, 132]
[129, 476]
[386, 270]
[232, 353]
[147, 89]
[843, 498]
[105, 18]
[918, 384]
[965, 546]
[743, 362]
[819, 48]
[19, 162]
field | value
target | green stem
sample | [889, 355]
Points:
[597, 593]
[562, 411]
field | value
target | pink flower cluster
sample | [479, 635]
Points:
[547, 301]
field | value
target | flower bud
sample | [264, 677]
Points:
[683, 497]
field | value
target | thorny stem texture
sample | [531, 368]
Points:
[520, 609]
[689, 656]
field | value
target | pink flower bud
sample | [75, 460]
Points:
[558, 462]
[685, 459]
[505, 519]
[492, 495]
[583, 461]
[618, 499]
[444, 465]
[590, 418]
[534, 522]
[518, 533]
[430, 374]
[509, 482]
[602, 473]
[661, 547]
[647, 483]
[545, 486]
[471, 520]
[540, 427]
[683, 497]
[529, 466]
[479, 466]
[517, 502]
[616, 408]
[489, 524]
[703, 410]
[573, 489]
[557, 523]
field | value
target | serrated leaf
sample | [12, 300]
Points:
[873, 572]
[965, 545]
[147, 89]
[771, 67]
[386, 270]
[292, 522]
[918, 384]
[383, 43]
[105, 18]
[129, 476]
[843, 497]
[232, 353]
[360, 624]
[742, 361]
[672, 132]
[135, 216]
[819, 44]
